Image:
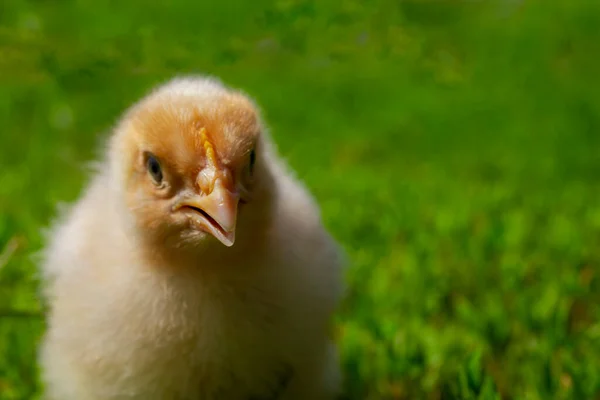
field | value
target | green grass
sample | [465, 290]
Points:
[454, 147]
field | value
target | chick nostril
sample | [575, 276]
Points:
[206, 180]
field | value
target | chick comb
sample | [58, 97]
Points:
[208, 147]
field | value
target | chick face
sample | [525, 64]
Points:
[191, 162]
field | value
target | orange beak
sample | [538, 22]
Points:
[216, 211]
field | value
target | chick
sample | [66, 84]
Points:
[194, 266]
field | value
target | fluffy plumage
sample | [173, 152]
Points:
[194, 266]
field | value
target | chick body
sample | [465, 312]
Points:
[129, 319]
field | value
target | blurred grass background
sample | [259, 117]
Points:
[453, 146]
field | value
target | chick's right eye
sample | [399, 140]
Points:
[154, 169]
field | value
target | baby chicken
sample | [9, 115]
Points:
[194, 266]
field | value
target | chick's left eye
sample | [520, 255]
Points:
[252, 160]
[154, 169]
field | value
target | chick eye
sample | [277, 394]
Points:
[154, 168]
[252, 160]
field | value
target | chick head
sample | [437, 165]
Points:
[188, 160]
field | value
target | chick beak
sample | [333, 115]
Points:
[216, 212]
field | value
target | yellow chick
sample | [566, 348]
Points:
[194, 266]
